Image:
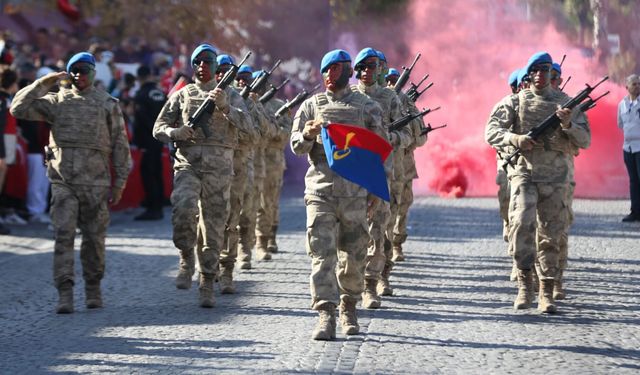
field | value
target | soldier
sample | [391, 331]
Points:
[392, 77]
[203, 167]
[87, 135]
[539, 178]
[269, 212]
[336, 207]
[367, 65]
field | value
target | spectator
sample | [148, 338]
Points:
[148, 102]
[629, 122]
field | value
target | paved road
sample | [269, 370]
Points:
[451, 314]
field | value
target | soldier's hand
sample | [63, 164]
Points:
[52, 78]
[254, 96]
[311, 129]
[220, 98]
[116, 195]
[564, 114]
[372, 203]
[182, 133]
[523, 142]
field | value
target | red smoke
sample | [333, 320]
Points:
[470, 50]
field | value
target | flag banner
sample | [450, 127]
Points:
[358, 154]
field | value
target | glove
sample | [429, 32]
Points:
[522, 141]
[220, 98]
[116, 195]
[182, 133]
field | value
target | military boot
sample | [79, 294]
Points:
[384, 288]
[536, 280]
[65, 298]
[206, 291]
[272, 246]
[93, 295]
[546, 304]
[348, 317]
[244, 250]
[370, 298]
[525, 290]
[226, 279]
[261, 248]
[398, 255]
[558, 290]
[326, 326]
[186, 269]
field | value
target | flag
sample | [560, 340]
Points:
[357, 154]
[180, 83]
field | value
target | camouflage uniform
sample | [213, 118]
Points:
[336, 208]
[87, 136]
[380, 225]
[410, 172]
[540, 177]
[269, 214]
[203, 170]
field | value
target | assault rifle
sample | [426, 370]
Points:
[404, 77]
[414, 88]
[259, 83]
[406, 119]
[271, 92]
[415, 95]
[301, 97]
[429, 129]
[200, 119]
[553, 121]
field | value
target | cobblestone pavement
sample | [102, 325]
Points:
[451, 313]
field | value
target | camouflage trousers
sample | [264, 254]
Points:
[269, 211]
[86, 207]
[201, 203]
[400, 222]
[504, 194]
[377, 228]
[248, 214]
[564, 241]
[337, 244]
[541, 207]
[229, 251]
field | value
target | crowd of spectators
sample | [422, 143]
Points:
[24, 187]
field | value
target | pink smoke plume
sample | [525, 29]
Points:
[470, 48]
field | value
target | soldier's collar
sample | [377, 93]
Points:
[339, 94]
[372, 88]
[543, 91]
[75, 90]
[206, 86]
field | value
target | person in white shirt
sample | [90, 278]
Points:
[629, 122]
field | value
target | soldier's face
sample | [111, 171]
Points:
[221, 71]
[205, 66]
[243, 79]
[391, 80]
[556, 80]
[337, 76]
[540, 75]
[369, 70]
[82, 75]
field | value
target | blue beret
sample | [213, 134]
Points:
[332, 57]
[225, 60]
[257, 74]
[392, 72]
[364, 54]
[513, 78]
[203, 47]
[245, 69]
[522, 74]
[557, 68]
[81, 57]
[539, 58]
[381, 56]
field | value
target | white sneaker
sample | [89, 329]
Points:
[42, 218]
[14, 219]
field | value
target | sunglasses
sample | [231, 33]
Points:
[540, 68]
[197, 62]
[363, 66]
[81, 70]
